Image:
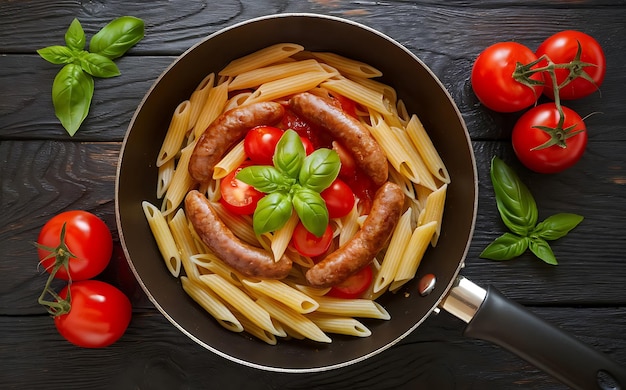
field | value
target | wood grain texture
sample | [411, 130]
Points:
[43, 171]
[435, 356]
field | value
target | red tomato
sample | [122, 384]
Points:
[339, 199]
[237, 196]
[260, 144]
[493, 81]
[347, 105]
[304, 129]
[526, 137]
[308, 244]
[99, 314]
[561, 48]
[354, 286]
[308, 145]
[87, 238]
[348, 165]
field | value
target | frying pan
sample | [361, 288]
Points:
[437, 285]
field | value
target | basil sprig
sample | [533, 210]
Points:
[73, 86]
[293, 183]
[518, 211]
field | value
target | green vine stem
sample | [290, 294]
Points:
[523, 73]
[62, 256]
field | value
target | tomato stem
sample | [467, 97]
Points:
[62, 255]
[522, 74]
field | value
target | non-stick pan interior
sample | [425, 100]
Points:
[423, 95]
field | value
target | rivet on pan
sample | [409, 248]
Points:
[426, 284]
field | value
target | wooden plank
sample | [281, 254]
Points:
[435, 355]
[36, 172]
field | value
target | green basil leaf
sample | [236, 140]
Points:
[98, 66]
[557, 226]
[515, 203]
[72, 91]
[289, 154]
[271, 213]
[311, 209]
[75, 36]
[505, 247]
[57, 54]
[542, 250]
[114, 39]
[265, 178]
[320, 169]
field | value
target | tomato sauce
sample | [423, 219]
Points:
[360, 183]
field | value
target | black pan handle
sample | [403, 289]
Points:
[511, 326]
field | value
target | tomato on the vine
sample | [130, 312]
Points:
[86, 248]
[237, 196]
[539, 127]
[260, 144]
[587, 74]
[98, 316]
[339, 199]
[493, 78]
[354, 286]
[307, 244]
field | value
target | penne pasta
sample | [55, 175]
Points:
[282, 237]
[212, 108]
[395, 252]
[339, 325]
[414, 161]
[163, 237]
[185, 243]
[364, 308]
[433, 210]
[261, 58]
[413, 254]
[212, 263]
[284, 293]
[164, 179]
[212, 304]
[231, 161]
[181, 183]
[175, 134]
[295, 320]
[258, 76]
[369, 98]
[240, 301]
[276, 89]
[348, 66]
[198, 99]
[422, 142]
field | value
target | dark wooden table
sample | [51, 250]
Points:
[43, 172]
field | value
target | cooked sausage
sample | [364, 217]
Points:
[227, 130]
[346, 129]
[249, 260]
[360, 250]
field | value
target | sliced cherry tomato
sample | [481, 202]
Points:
[339, 199]
[308, 145]
[307, 244]
[561, 48]
[260, 144]
[526, 137]
[354, 286]
[98, 316]
[237, 196]
[87, 238]
[493, 81]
